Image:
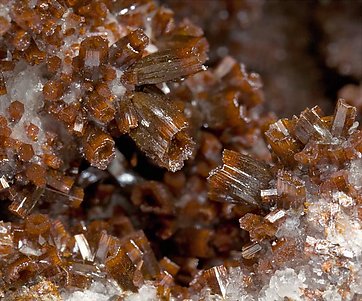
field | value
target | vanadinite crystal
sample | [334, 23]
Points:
[133, 168]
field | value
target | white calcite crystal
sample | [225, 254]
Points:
[355, 173]
[145, 293]
[106, 291]
[25, 85]
[98, 291]
[284, 284]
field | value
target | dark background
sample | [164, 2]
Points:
[306, 51]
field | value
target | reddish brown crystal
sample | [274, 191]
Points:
[257, 226]
[36, 174]
[121, 268]
[240, 179]
[178, 61]
[283, 144]
[101, 106]
[127, 118]
[53, 90]
[98, 148]
[52, 161]
[93, 53]
[107, 80]
[344, 117]
[195, 242]
[152, 197]
[162, 132]
[310, 126]
[59, 182]
[6, 239]
[129, 49]
[26, 152]
[23, 201]
[16, 110]
[32, 131]
[37, 224]
[291, 191]
[214, 278]
[169, 266]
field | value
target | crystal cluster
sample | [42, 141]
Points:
[284, 41]
[75, 76]
[305, 223]
[131, 171]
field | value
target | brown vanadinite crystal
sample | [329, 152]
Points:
[129, 49]
[36, 174]
[2, 85]
[178, 62]
[101, 106]
[240, 179]
[26, 152]
[152, 197]
[257, 226]
[98, 148]
[132, 167]
[121, 268]
[161, 131]
[37, 224]
[16, 110]
[93, 53]
[53, 90]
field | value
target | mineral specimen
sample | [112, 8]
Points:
[131, 170]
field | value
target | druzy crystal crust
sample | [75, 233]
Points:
[132, 168]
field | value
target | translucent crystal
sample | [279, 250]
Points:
[140, 246]
[214, 278]
[6, 239]
[283, 144]
[310, 125]
[291, 190]
[355, 173]
[167, 265]
[61, 237]
[344, 117]
[103, 246]
[285, 284]
[269, 196]
[127, 119]
[60, 182]
[129, 49]
[240, 179]
[84, 248]
[98, 148]
[162, 130]
[258, 227]
[3, 183]
[93, 53]
[121, 268]
[152, 196]
[275, 215]
[178, 61]
[22, 203]
[249, 251]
